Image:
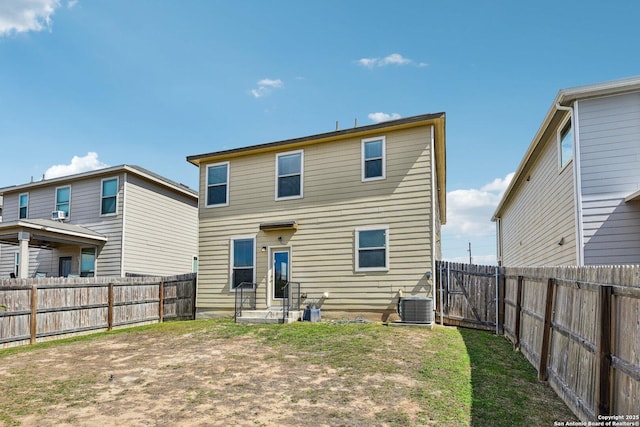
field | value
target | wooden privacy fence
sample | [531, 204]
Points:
[578, 326]
[33, 310]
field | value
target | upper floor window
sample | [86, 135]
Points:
[373, 159]
[289, 175]
[24, 205]
[243, 261]
[218, 184]
[63, 199]
[109, 198]
[372, 249]
[565, 143]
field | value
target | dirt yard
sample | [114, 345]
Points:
[196, 377]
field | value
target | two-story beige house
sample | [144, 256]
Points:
[575, 198]
[108, 222]
[352, 216]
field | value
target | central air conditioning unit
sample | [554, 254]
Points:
[58, 215]
[416, 310]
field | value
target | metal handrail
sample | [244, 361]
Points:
[240, 298]
[290, 299]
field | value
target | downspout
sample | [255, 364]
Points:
[122, 218]
[577, 181]
[434, 199]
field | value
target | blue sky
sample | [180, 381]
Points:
[89, 83]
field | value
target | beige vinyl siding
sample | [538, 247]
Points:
[161, 229]
[610, 171]
[540, 213]
[335, 203]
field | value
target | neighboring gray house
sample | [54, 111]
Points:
[107, 222]
[575, 198]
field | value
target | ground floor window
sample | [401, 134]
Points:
[88, 262]
[243, 261]
[372, 249]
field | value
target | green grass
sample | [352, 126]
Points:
[460, 377]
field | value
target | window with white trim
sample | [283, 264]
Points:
[23, 209]
[218, 184]
[63, 199]
[565, 143]
[373, 159]
[289, 175]
[243, 261]
[16, 264]
[372, 249]
[109, 196]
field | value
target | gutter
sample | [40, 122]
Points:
[564, 97]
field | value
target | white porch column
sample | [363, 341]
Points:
[23, 238]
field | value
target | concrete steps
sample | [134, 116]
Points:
[272, 315]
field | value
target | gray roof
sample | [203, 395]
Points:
[137, 170]
[53, 227]
[195, 159]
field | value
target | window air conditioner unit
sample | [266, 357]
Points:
[58, 215]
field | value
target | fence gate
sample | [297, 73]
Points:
[469, 295]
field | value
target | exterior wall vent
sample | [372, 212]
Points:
[416, 310]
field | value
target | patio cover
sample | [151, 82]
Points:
[44, 233]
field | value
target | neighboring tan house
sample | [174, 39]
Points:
[107, 222]
[353, 216]
[575, 198]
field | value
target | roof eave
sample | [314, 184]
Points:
[105, 171]
[407, 122]
[565, 97]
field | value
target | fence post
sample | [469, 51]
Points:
[502, 292]
[193, 296]
[441, 294]
[546, 331]
[446, 292]
[604, 351]
[161, 301]
[497, 302]
[110, 309]
[34, 314]
[516, 344]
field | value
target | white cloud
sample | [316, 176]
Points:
[383, 117]
[393, 59]
[78, 164]
[499, 184]
[367, 62]
[20, 16]
[72, 3]
[469, 211]
[266, 86]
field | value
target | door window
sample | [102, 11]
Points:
[280, 273]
